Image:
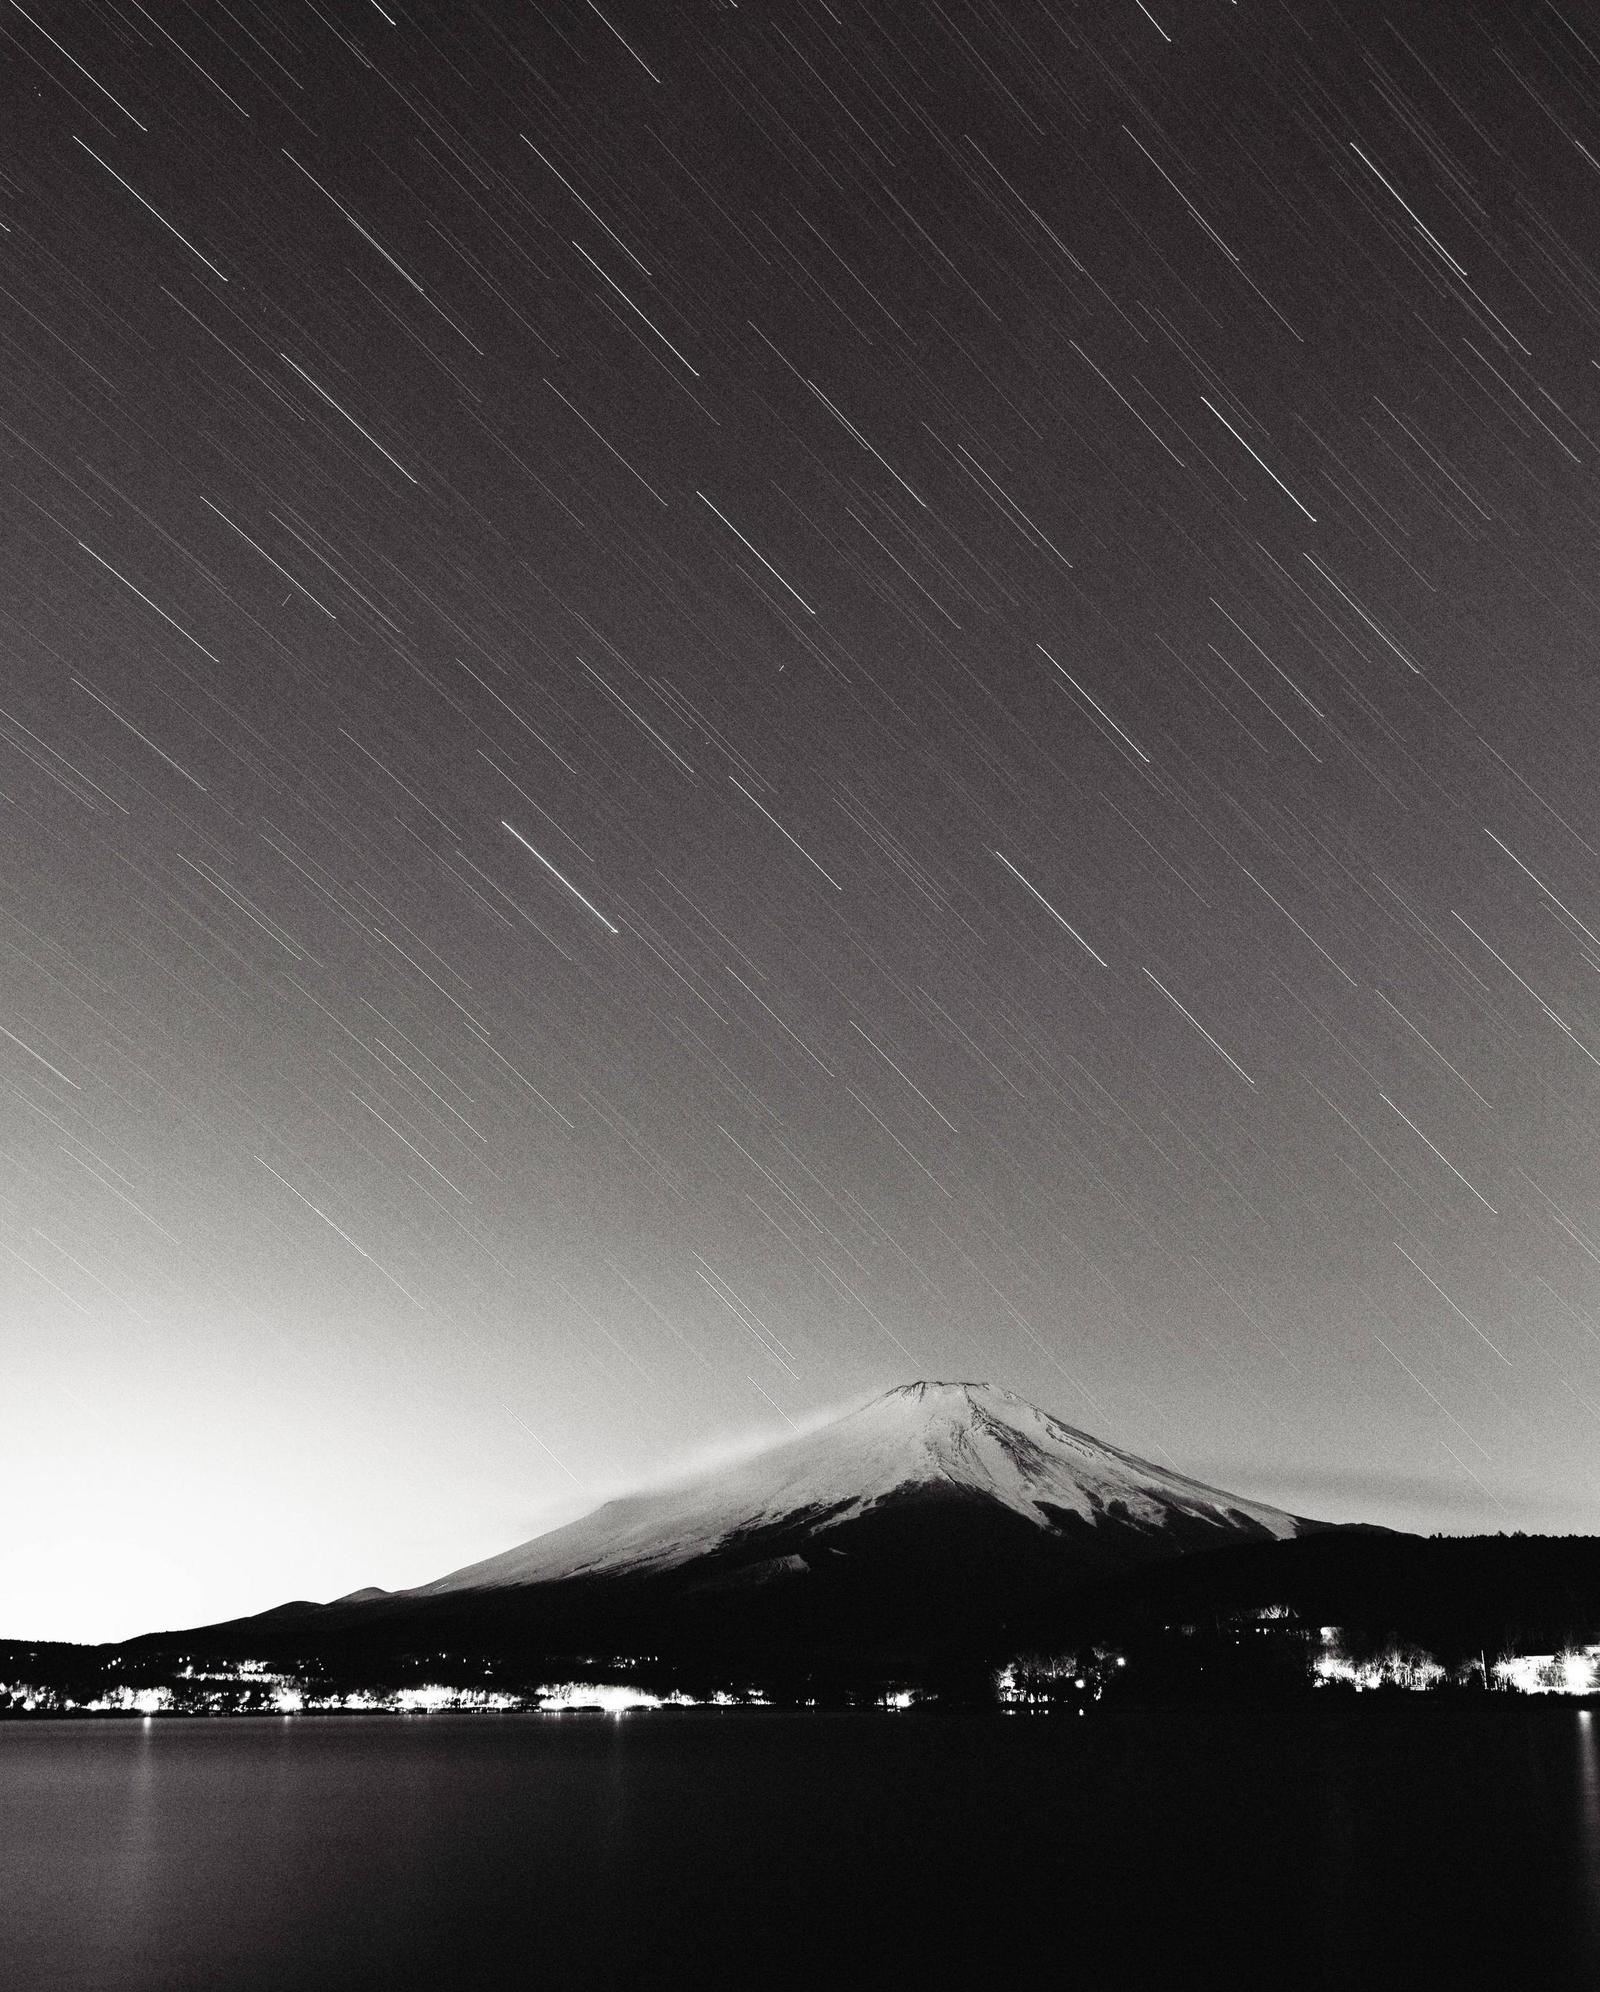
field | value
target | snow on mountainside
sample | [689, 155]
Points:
[971, 1437]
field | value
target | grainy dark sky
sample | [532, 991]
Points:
[706, 706]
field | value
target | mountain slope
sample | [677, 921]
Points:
[922, 1439]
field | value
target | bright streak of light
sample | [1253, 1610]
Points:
[1200, 1027]
[327, 397]
[167, 225]
[567, 882]
[767, 813]
[1417, 1131]
[1059, 918]
[767, 564]
[1277, 480]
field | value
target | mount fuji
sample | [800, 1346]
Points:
[935, 1516]
[921, 1444]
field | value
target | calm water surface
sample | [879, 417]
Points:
[1341, 1849]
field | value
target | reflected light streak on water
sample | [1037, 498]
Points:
[1588, 1749]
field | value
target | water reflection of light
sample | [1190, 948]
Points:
[133, 1852]
[1588, 1743]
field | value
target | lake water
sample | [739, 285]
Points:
[1348, 1848]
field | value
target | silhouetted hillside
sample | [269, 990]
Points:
[1456, 1595]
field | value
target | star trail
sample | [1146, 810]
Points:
[707, 705]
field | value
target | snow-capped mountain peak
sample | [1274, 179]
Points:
[920, 1438]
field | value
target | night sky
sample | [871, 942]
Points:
[707, 706]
